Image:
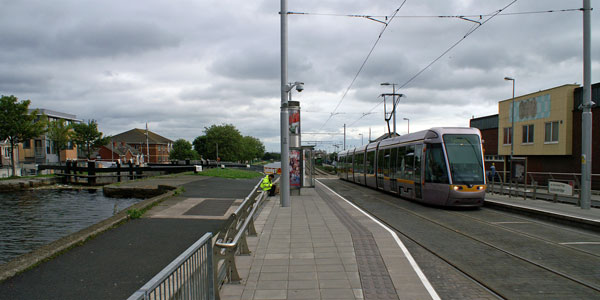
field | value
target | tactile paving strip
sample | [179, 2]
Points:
[374, 277]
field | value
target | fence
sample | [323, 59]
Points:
[189, 276]
[536, 187]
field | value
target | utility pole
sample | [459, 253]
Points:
[586, 118]
[284, 192]
[344, 136]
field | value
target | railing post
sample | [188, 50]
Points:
[130, 170]
[210, 271]
[91, 172]
[118, 171]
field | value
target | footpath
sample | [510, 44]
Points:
[118, 261]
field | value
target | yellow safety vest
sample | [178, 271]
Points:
[266, 183]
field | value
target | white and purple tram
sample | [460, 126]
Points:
[439, 166]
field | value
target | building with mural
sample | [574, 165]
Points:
[541, 130]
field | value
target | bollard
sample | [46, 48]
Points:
[534, 183]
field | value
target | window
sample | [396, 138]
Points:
[528, 134]
[507, 135]
[27, 144]
[551, 132]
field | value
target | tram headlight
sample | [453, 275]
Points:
[457, 187]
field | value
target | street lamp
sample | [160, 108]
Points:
[361, 139]
[512, 131]
[408, 124]
[512, 117]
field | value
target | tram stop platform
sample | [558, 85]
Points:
[322, 247]
[565, 213]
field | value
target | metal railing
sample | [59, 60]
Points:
[232, 239]
[189, 276]
[536, 187]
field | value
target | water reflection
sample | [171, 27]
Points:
[30, 219]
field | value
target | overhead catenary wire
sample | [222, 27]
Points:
[363, 63]
[469, 32]
[439, 16]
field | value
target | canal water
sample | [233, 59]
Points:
[30, 219]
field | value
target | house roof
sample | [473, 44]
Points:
[121, 149]
[138, 136]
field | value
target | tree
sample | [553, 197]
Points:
[88, 137]
[59, 133]
[272, 156]
[17, 125]
[182, 149]
[225, 137]
[252, 148]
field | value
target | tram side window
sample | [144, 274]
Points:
[400, 162]
[435, 164]
[360, 163]
[393, 157]
[371, 162]
[380, 163]
[386, 162]
[410, 158]
[418, 154]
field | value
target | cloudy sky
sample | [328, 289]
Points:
[181, 66]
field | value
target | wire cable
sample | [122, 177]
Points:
[363, 64]
[440, 16]
[473, 29]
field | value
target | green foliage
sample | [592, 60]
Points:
[17, 125]
[59, 133]
[272, 156]
[135, 213]
[182, 149]
[230, 173]
[232, 146]
[87, 136]
[252, 148]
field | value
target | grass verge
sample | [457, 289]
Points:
[230, 173]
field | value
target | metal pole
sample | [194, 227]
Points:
[285, 157]
[586, 118]
[344, 136]
[394, 106]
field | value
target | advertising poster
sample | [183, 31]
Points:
[295, 168]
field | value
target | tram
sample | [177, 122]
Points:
[439, 166]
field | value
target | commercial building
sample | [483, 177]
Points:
[42, 150]
[547, 133]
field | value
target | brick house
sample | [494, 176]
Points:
[119, 151]
[148, 143]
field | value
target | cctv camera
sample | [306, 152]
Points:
[299, 86]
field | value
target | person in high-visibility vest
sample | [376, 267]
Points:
[267, 184]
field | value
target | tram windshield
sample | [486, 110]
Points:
[464, 158]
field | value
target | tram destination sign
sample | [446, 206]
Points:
[560, 188]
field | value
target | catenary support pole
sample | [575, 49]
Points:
[284, 191]
[586, 118]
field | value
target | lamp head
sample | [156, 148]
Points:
[386, 83]
[509, 78]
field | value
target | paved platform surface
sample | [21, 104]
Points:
[587, 218]
[324, 248]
